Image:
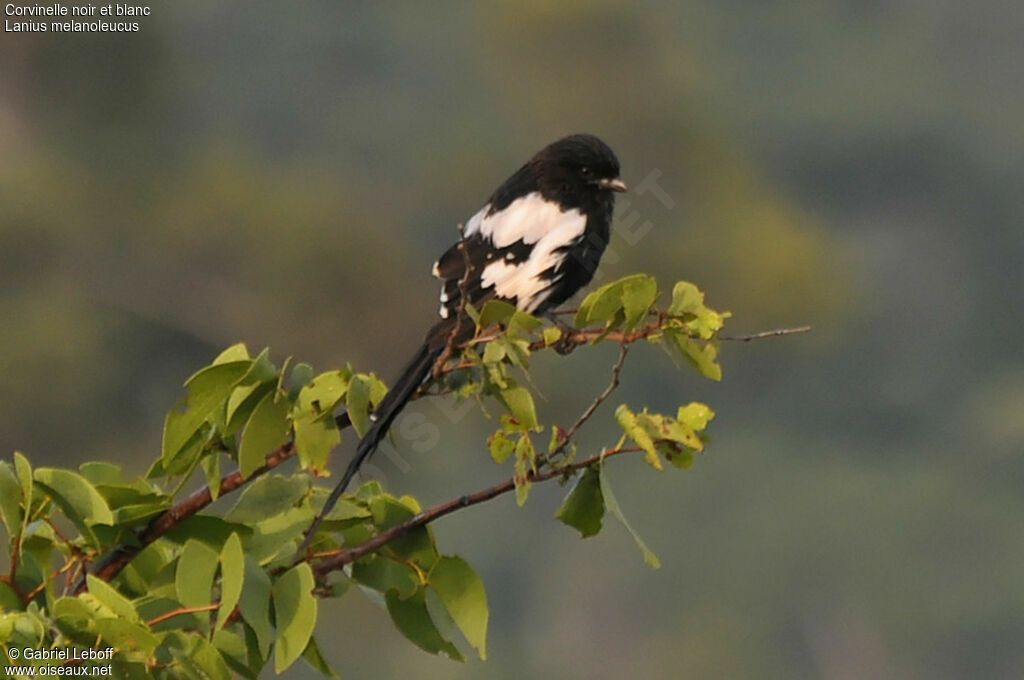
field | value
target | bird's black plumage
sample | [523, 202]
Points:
[535, 243]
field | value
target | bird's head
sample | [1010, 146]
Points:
[576, 168]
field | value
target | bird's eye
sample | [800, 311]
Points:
[585, 171]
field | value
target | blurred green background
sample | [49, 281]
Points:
[284, 174]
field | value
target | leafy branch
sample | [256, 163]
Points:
[334, 560]
[184, 593]
[339, 558]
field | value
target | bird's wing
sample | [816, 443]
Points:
[512, 253]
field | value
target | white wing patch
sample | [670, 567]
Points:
[534, 221]
[527, 219]
[522, 281]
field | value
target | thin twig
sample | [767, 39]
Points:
[181, 612]
[49, 579]
[600, 399]
[343, 557]
[774, 333]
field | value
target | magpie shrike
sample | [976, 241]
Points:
[535, 243]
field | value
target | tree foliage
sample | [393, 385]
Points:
[137, 565]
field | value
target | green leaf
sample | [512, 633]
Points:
[242, 402]
[295, 611]
[323, 394]
[599, 306]
[101, 473]
[677, 456]
[344, 509]
[255, 604]
[315, 438]
[635, 430]
[415, 547]
[627, 299]
[261, 370]
[638, 294]
[520, 404]
[412, 619]
[357, 404]
[193, 577]
[261, 378]
[78, 500]
[115, 603]
[463, 595]
[9, 599]
[383, 575]
[501, 446]
[211, 469]
[72, 615]
[389, 511]
[301, 375]
[526, 457]
[522, 321]
[494, 352]
[10, 501]
[208, 391]
[552, 334]
[237, 352]
[378, 390]
[688, 301]
[613, 506]
[266, 430]
[185, 461]
[213, 531]
[583, 508]
[495, 311]
[315, 659]
[268, 496]
[235, 651]
[687, 298]
[232, 577]
[696, 415]
[517, 350]
[279, 535]
[704, 357]
[316, 433]
[200, 659]
[132, 640]
[24, 470]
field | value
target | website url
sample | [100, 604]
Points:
[58, 671]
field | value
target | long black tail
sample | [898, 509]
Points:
[414, 375]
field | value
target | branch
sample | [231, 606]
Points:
[598, 400]
[117, 559]
[616, 371]
[588, 335]
[337, 560]
[53, 575]
[774, 333]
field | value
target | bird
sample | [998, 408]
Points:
[536, 241]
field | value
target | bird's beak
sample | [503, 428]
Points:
[615, 184]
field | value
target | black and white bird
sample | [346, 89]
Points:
[535, 243]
